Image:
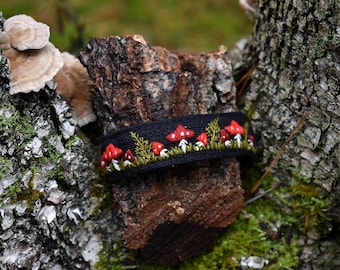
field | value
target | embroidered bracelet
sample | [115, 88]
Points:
[149, 146]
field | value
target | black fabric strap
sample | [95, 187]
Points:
[150, 146]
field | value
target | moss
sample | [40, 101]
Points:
[102, 190]
[114, 258]
[11, 122]
[18, 193]
[51, 155]
[251, 111]
[5, 166]
[259, 231]
[16, 128]
[309, 202]
[72, 141]
[262, 230]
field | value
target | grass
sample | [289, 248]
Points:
[190, 25]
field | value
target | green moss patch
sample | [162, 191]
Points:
[309, 202]
[259, 231]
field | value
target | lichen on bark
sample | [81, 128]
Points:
[50, 216]
[297, 74]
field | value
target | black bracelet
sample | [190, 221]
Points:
[146, 147]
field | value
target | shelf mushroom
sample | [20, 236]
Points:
[4, 41]
[25, 33]
[32, 58]
[34, 61]
[236, 130]
[73, 85]
[180, 134]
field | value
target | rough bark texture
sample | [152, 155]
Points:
[295, 46]
[297, 51]
[139, 83]
[51, 216]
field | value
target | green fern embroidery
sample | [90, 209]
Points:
[213, 132]
[143, 148]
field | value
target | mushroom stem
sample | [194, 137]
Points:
[238, 138]
[200, 144]
[127, 163]
[4, 41]
[183, 144]
[164, 153]
[115, 164]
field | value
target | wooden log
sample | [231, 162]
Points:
[174, 213]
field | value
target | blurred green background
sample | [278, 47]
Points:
[189, 25]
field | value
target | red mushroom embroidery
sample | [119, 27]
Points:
[181, 134]
[237, 130]
[251, 140]
[103, 162]
[110, 155]
[159, 149]
[202, 139]
[225, 137]
[234, 128]
[128, 157]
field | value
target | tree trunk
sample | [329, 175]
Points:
[296, 49]
[295, 45]
[52, 213]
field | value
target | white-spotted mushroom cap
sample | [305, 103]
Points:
[4, 41]
[73, 85]
[31, 69]
[26, 33]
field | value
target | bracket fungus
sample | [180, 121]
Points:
[33, 59]
[73, 85]
[30, 70]
[4, 41]
[26, 33]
